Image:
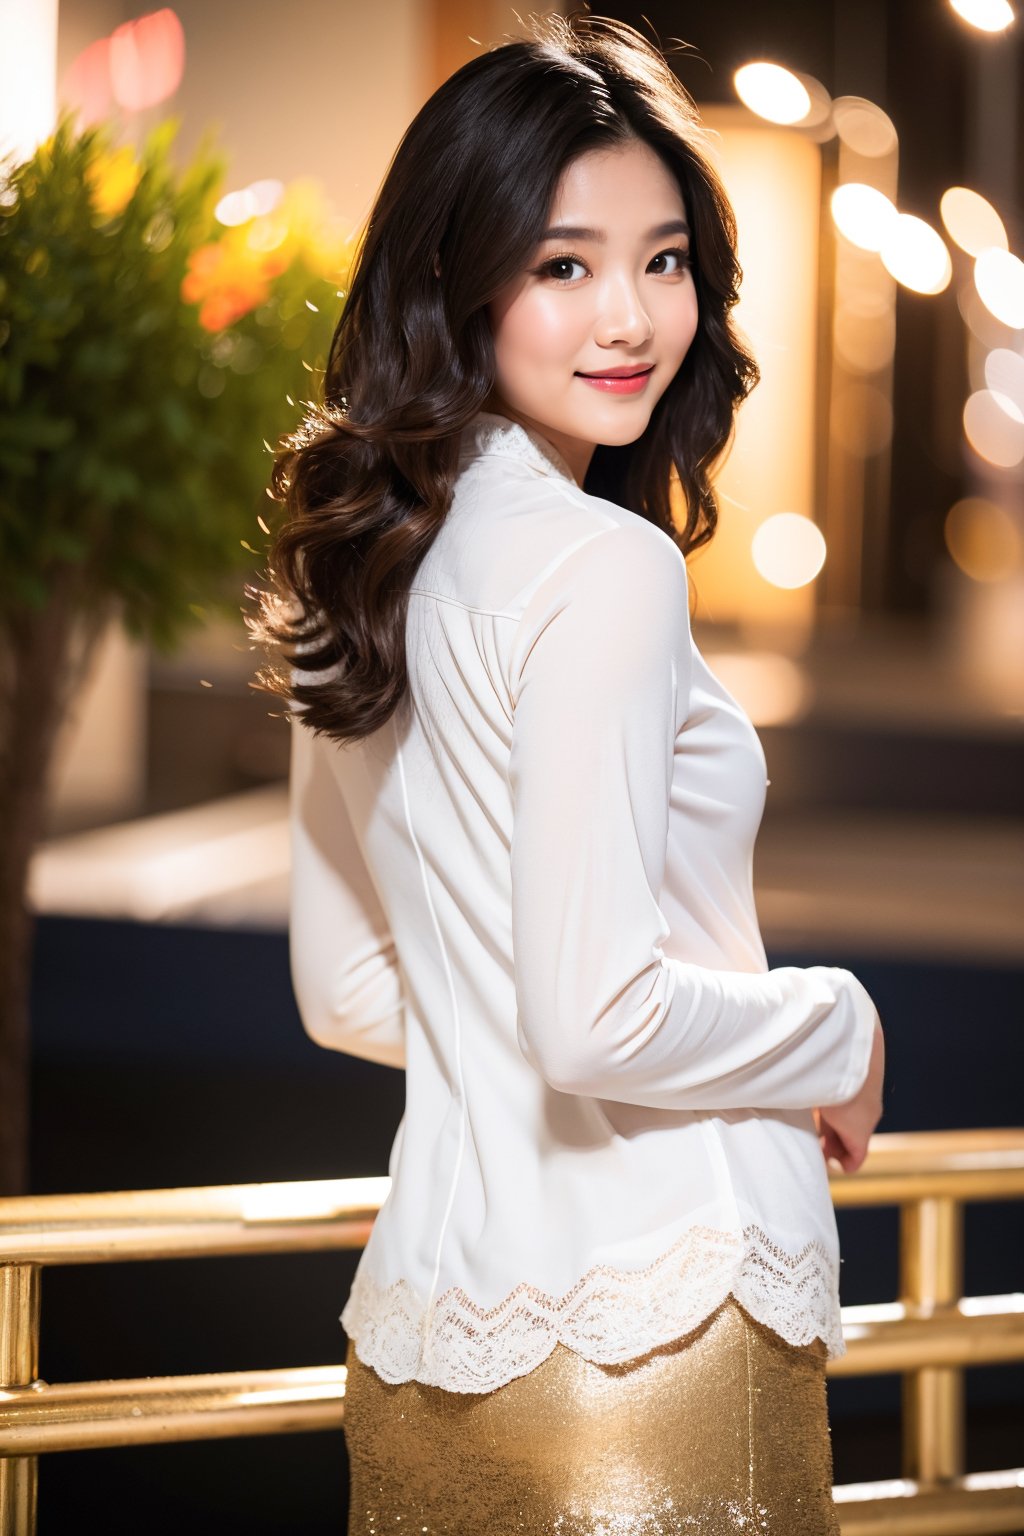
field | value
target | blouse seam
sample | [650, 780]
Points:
[489, 613]
[553, 565]
[458, 1036]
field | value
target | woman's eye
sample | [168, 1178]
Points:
[682, 259]
[556, 268]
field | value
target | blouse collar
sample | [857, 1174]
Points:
[489, 433]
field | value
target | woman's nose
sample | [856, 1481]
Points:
[622, 315]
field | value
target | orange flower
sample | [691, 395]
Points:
[232, 275]
[227, 280]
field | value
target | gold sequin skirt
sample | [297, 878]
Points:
[724, 1430]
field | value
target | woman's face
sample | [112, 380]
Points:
[611, 290]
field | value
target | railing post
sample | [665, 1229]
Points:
[19, 1367]
[931, 1278]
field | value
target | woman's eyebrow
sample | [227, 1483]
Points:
[577, 232]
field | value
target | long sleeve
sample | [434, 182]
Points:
[344, 967]
[600, 680]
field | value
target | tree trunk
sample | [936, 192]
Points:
[39, 672]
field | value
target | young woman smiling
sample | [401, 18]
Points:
[602, 1291]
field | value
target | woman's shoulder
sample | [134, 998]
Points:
[517, 514]
[510, 531]
[497, 490]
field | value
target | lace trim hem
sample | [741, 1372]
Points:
[608, 1316]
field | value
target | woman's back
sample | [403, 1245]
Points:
[608, 1122]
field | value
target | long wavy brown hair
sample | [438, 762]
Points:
[368, 477]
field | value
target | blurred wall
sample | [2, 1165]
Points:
[321, 88]
[311, 89]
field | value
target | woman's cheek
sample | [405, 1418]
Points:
[683, 324]
[550, 328]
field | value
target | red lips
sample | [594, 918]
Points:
[617, 373]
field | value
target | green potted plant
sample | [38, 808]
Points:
[150, 355]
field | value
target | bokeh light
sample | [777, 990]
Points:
[147, 60]
[819, 113]
[994, 427]
[999, 279]
[1004, 375]
[86, 86]
[864, 127]
[916, 255]
[986, 15]
[249, 202]
[971, 220]
[983, 539]
[979, 320]
[788, 549]
[772, 92]
[863, 214]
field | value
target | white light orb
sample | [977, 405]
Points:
[994, 428]
[788, 549]
[863, 214]
[971, 220]
[986, 15]
[772, 92]
[999, 279]
[915, 254]
[1004, 375]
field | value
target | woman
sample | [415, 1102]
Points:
[604, 1285]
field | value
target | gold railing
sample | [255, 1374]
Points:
[930, 1334]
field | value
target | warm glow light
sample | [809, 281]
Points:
[788, 549]
[865, 342]
[235, 207]
[986, 15]
[28, 75]
[916, 255]
[864, 127]
[979, 320]
[260, 197]
[266, 193]
[772, 92]
[86, 86]
[983, 539]
[994, 427]
[819, 113]
[773, 689]
[999, 279]
[311, 1201]
[971, 220]
[863, 214]
[773, 176]
[147, 60]
[1004, 375]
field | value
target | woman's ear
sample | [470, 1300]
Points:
[437, 265]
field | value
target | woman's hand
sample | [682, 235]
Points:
[844, 1130]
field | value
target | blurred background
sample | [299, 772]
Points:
[863, 598]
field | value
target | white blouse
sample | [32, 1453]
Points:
[532, 889]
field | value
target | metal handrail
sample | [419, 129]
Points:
[930, 1334]
[190, 1223]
